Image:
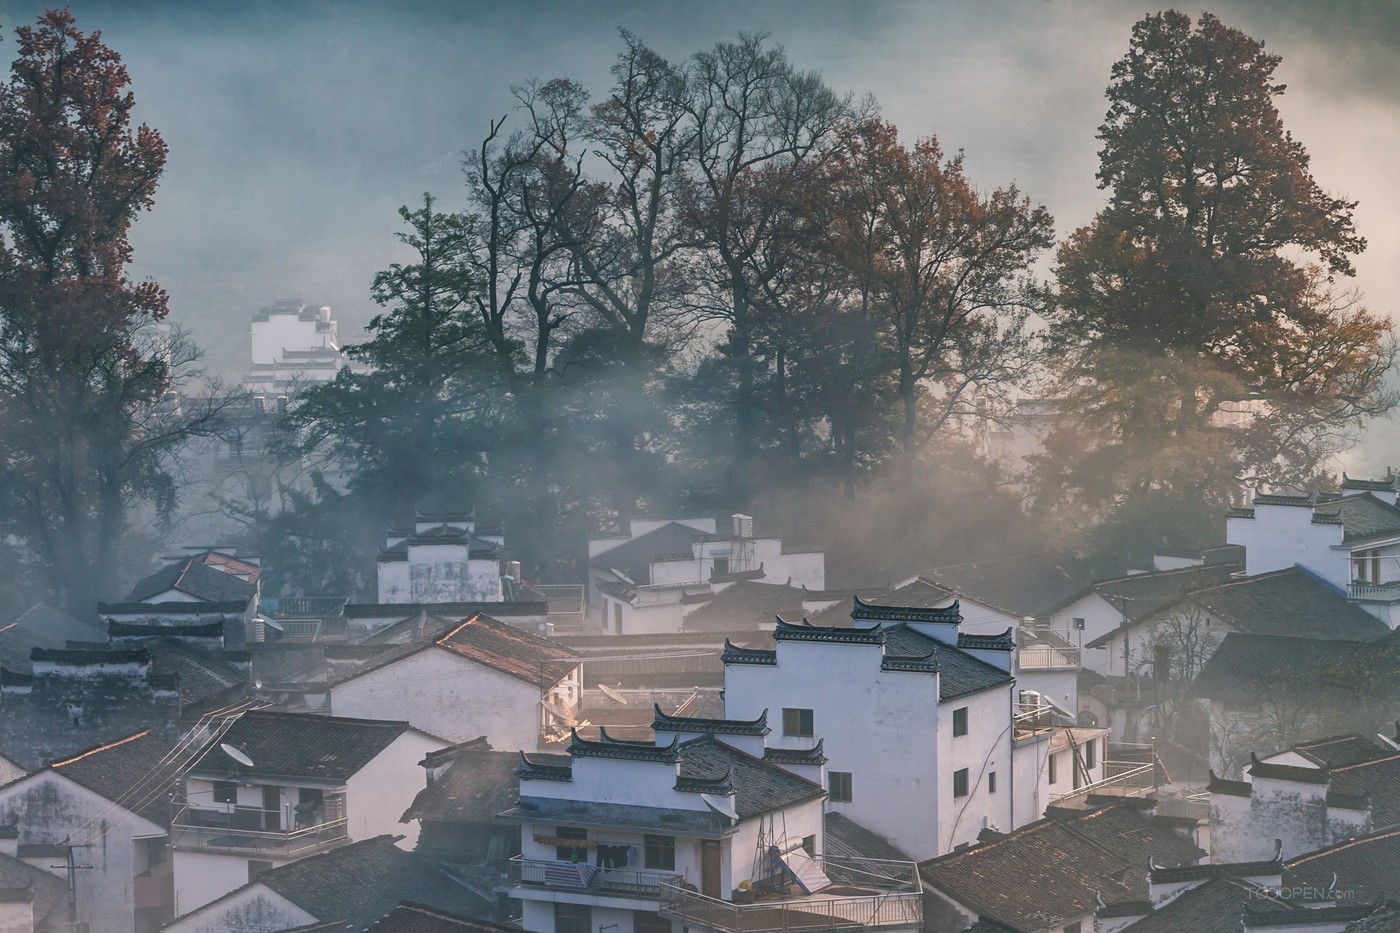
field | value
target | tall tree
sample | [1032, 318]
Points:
[756, 122]
[942, 268]
[1206, 341]
[87, 372]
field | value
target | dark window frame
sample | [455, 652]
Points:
[960, 721]
[799, 722]
[567, 853]
[839, 786]
[226, 792]
[659, 852]
[961, 786]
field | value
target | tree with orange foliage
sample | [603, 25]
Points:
[87, 415]
[1205, 342]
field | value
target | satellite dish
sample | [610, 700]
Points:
[270, 623]
[236, 754]
[721, 805]
[612, 694]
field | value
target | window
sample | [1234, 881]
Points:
[644, 921]
[617, 618]
[960, 721]
[992, 783]
[1075, 927]
[1089, 754]
[225, 792]
[567, 850]
[797, 722]
[659, 852]
[840, 786]
[1053, 776]
[573, 918]
[960, 783]
[721, 566]
[809, 845]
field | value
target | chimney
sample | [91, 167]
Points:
[743, 525]
[513, 570]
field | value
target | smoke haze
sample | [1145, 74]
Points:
[297, 129]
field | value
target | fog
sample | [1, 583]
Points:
[296, 130]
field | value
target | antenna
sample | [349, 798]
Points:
[612, 694]
[721, 805]
[236, 754]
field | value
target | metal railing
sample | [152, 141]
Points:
[304, 605]
[855, 912]
[569, 876]
[1126, 778]
[1046, 658]
[193, 828]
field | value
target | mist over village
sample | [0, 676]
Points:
[911, 467]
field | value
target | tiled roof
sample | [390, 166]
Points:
[759, 787]
[194, 578]
[1212, 907]
[634, 558]
[201, 677]
[1385, 918]
[1025, 584]
[134, 770]
[1290, 602]
[1338, 750]
[46, 891]
[959, 672]
[491, 643]
[477, 548]
[845, 838]
[744, 606]
[1377, 780]
[662, 722]
[1367, 868]
[39, 626]
[1364, 516]
[420, 918]
[477, 785]
[1054, 870]
[302, 745]
[1243, 663]
[236, 607]
[1140, 594]
[363, 881]
[461, 610]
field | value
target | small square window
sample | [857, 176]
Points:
[572, 844]
[992, 783]
[960, 721]
[840, 786]
[960, 783]
[225, 792]
[797, 722]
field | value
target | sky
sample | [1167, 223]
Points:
[297, 128]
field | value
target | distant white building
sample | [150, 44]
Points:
[442, 558]
[292, 346]
[927, 742]
[1351, 540]
[704, 829]
[482, 677]
[649, 580]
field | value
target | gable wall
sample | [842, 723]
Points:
[256, 909]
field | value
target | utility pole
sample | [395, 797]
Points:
[72, 868]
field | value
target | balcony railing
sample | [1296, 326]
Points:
[1125, 779]
[611, 882]
[865, 894]
[194, 828]
[1047, 658]
[1375, 592]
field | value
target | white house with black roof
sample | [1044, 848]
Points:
[647, 581]
[926, 740]
[1351, 539]
[443, 557]
[706, 829]
[280, 786]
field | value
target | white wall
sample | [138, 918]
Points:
[1100, 617]
[446, 695]
[877, 725]
[202, 877]
[281, 332]
[50, 808]
[378, 794]
[256, 910]
[985, 748]
[1280, 536]
[393, 582]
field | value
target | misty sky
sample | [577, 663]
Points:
[296, 129]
